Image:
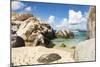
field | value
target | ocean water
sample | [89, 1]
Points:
[79, 37]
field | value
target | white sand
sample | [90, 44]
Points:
[29, 55]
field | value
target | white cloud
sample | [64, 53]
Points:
[28, 9]
[75, 17]
[17, 5]
[51, 19]
[76, 20]
[63, 24]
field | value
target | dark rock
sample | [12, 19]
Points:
[47, 58]
[40, 40]
[71, 35]
[17, 41]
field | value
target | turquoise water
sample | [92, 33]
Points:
[79, 37]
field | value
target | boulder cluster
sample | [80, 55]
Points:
[65, 34]
[27, 28]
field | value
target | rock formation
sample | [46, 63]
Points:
[31, 30]
[65, 34]
[17, 41]
[91, 22]
[85, 51]
[47, 58]
[20, 17]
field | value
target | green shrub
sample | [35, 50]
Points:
[62, 45]
[52, 45]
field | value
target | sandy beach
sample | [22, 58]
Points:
[84, 51]
[29, 55]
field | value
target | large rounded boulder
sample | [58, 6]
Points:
[34, 32]
[47, 58]
[17, 41]
[85, 51]
[64, 34]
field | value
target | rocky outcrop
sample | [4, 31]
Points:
[16, 21]
[20, 17]
[17, 41]
[32, 55]
[65, 34]
[85, 51]
[33, 31]
[91, 22]
[47, 58]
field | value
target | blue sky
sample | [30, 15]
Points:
[59, 16]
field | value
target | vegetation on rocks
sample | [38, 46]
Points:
[62, 45]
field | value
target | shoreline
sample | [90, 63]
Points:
[29, 55]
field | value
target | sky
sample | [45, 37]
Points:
[59, 16]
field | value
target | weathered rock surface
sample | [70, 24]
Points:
[20, 17]
[91, 22]
[85, 51]
[65, 34]
[17, 41]
[47, 58]
[30, 55]
[33, 31]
